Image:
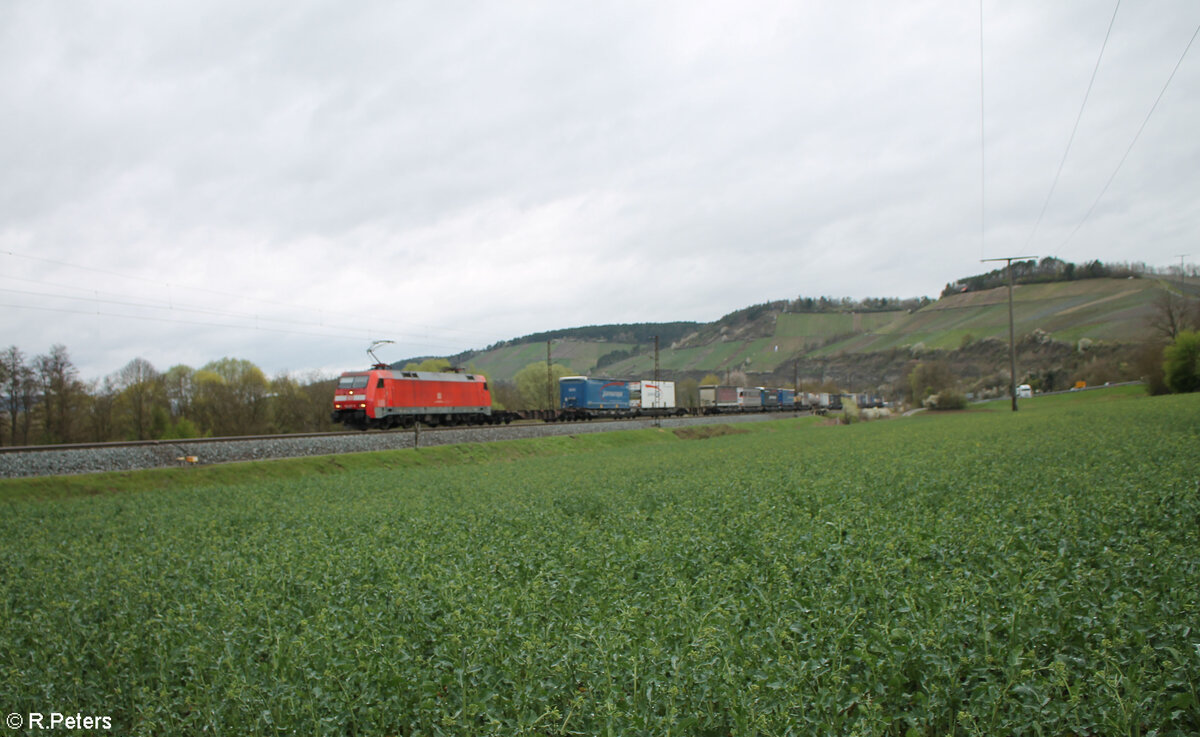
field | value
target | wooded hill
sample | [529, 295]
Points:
[1063, 326]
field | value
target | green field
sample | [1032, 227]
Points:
[973, 573]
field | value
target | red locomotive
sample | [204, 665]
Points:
[382, 399]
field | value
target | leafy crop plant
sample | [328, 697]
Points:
[981, 573]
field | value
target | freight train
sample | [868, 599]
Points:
[383, 398]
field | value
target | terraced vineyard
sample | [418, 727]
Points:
[1114, 311]
[977, 574]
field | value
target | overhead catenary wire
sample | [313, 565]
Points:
[364, 333]
[256, 318]
[1075, 128]
[1133, 142]
[246, 321]
[982, 144]
[172, 311]
[382, 326]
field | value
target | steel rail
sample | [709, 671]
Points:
[290, 436]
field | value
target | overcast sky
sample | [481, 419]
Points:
[286, 181]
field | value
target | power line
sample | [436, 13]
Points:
[365, 332]
[111, 299]
[1075, 128]
[216, 292]
[92, 295]
[982, 145]
[1137, 135]
[214, 313]
[177, 321]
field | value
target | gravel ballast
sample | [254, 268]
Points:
[167, 453]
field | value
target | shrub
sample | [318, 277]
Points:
[1148, 364]
[947, 399]
[927, 378]
[181, 429]
[1181, 363]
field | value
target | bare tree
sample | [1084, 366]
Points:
[4, 408]
[531, 382]
[100, 412]
[318, 389]
[929, 377]
[180, 385]
[141, 387]
[16, 376]
[61, 393]
[288, 404]
[1173, 314]
[231, 397]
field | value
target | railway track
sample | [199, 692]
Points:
[175, 442]
[152, 443]
[50, 460]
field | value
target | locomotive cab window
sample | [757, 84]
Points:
[352, 382]
[379, 384]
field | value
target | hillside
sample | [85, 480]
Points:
[1111, 314]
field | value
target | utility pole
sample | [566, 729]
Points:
[657, 386]
[549, 381]
[1181, 257]
[1012, 341]
[797, 395]
[657, 376]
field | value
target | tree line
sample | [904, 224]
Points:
[639, 332]
[1052, 269]
[846, 304]
[44, 401]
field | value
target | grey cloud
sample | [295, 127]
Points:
[360, 156]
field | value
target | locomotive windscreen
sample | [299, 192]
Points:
[353, 382]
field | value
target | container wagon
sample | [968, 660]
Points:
[785, 398]
[750, 398]
[581, 397]
[653, 397]
[770, 399]
[715, 399]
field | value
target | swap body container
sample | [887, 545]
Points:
[750, 397]
[652, 394]
[713, 396]
[582, 392]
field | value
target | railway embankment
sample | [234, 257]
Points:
[121, 457]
